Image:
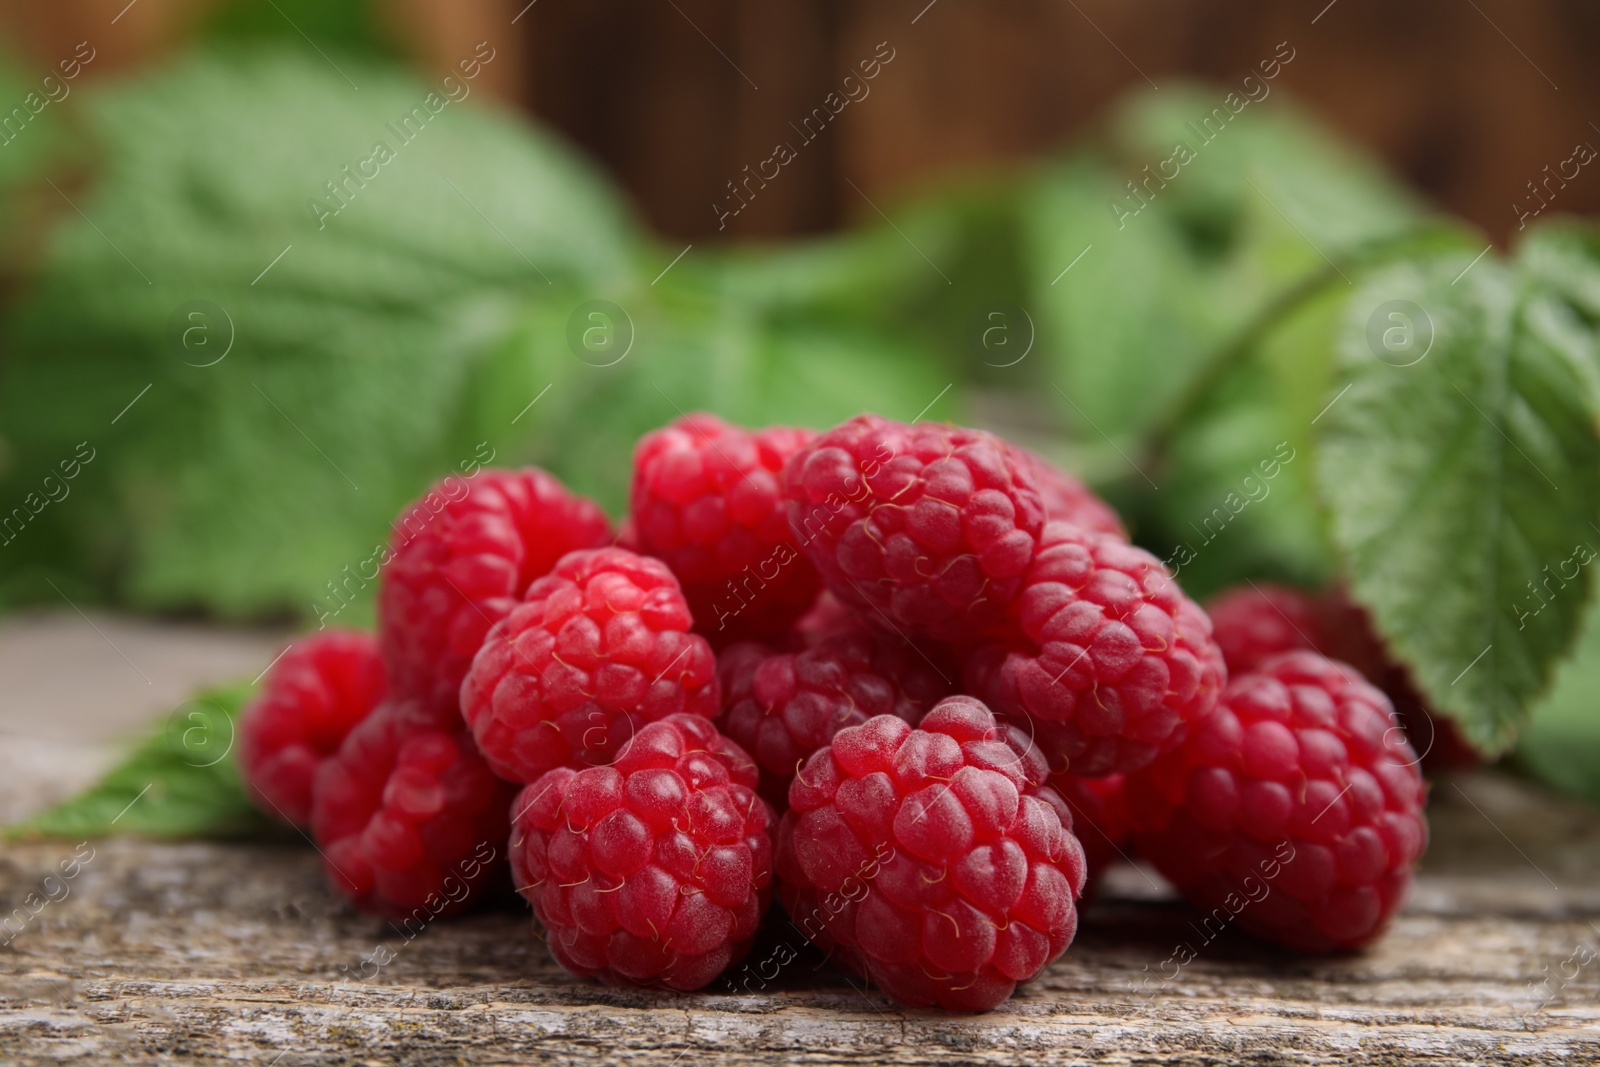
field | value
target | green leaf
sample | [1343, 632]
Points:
[349, 27]
[1254, 415]
[357, 323]
[1562, 742]
[1172, 271]
[181, 782]
[1237, 497]
[1463, 481]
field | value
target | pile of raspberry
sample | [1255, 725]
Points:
[898, 691]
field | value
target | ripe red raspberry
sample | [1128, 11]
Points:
[1295, 807]
[1099, 817]
[935, 860]
[1352, 639]
[410, 820]
[654, 870]
[825, 618]
[1066, 499]
[707, 502]
[932, 525]
[599, 647]
[319, 688]
[1116, 659]
[783, 706]
[459, 560]
[1255, 622]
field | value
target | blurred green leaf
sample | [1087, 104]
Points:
[246, 475]
[1462, 468]
[1237, 498]
[1140, 281]
[342, 26]
[180, 783]
[1255, 414]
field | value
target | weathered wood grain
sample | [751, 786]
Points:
[202, 952]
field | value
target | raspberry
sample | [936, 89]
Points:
[827, 617]
[783, 706]
[1295, 807]
[1116, 659]
[411, 822]
[932, 525]
[1351, 638]
[1099, 817]
[1256, 622]
[597, 648]
[319, 688]
[1067, 499]
[459, 560]
[933, 859]
[707, 502]
[654, 870]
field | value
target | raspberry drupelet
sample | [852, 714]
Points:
[706, 501]
[318, 689]
[1113, 659]
[783, 706]
[411, 822]
[1066, 499]
[1296, 806]
[1255, 622]
[654, 870]
[459, 560]
[933, 526]
[599, 647]
[935, 859]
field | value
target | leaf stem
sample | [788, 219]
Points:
[1233, 352]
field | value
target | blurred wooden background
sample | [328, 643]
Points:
[1468, 100]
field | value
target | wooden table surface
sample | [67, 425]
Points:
[209, 952]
